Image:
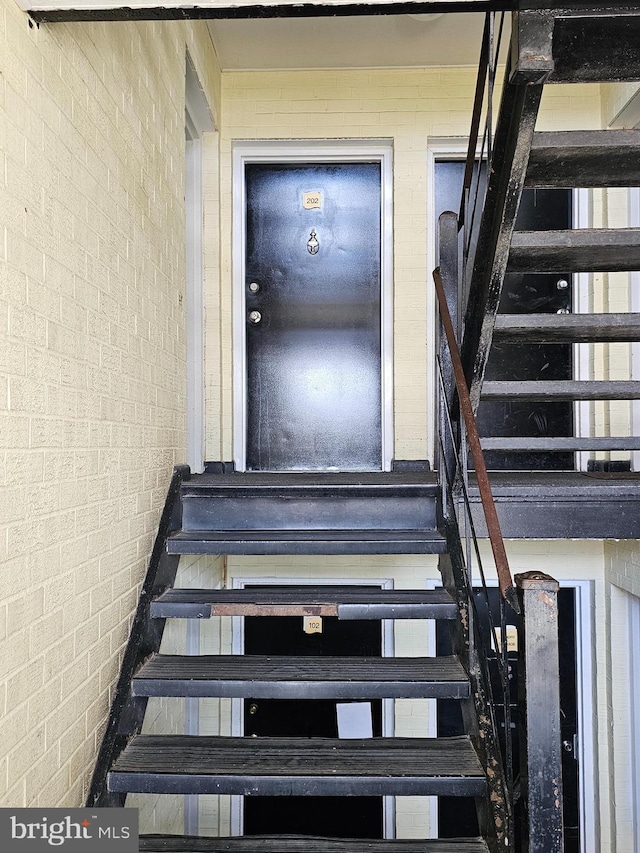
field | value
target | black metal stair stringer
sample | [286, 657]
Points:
[126, 714]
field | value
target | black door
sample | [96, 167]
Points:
[524, 294]
[458, 816]
[313, 317]
[346, 817]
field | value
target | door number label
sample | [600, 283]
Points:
[312, 200]
[312, 624]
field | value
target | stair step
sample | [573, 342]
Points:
[363, 603]
[185, 764]
[324, 484]
[273, 677]
[561, 443]
[578, 250]
[566, 328]
[597, 48]
[305, 844]
[332, 541]
[345, 501]
[579, 158]
[569, 389]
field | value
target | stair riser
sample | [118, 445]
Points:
[338, 513]
[161, 610]
[332, 547]
[302, 690]
[295, 786]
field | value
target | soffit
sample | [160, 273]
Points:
[375, 41]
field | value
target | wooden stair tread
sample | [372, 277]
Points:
[306, 541]
[305, 844]
[570, 389]
[297, 766]
[566, 328]
[252, 483]
[293, 677]
[348, 603]
[578, 158]
[560, 443]
[577, 250]
[576, 59]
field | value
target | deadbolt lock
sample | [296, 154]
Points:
[253, 708]
[254, 287]
[562, 284]
[255, 317]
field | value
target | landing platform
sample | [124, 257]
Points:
[563, 504]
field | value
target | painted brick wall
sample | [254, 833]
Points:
[92, 368]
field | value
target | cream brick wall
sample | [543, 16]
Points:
[92, 367]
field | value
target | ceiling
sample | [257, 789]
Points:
[377, 41]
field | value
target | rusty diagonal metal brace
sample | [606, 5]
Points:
[505, 581]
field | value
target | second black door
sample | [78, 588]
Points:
[346, 817]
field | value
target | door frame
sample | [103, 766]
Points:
[312, 152]
[237, 705]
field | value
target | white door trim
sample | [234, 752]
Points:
[237, 705]
[311, 151]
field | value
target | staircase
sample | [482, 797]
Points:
[606, 39]
[218, 513]
[403, 512]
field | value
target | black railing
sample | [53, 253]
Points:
[458, 431]
[521, 813]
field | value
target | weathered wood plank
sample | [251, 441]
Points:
[363, 603]
[364, 541]
[562, 390]
[561, 443]
[132, 10]
[566, 328]
[298, 766]
[305, 844]
[291, 677]
[580, 250]
[597, 48]
[592, 158]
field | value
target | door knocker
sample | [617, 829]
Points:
[312, 244]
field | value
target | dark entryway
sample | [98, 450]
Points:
[313, 322]
[458, 817]
[346, 817]
[524, 294]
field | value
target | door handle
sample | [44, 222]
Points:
[255, 317]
